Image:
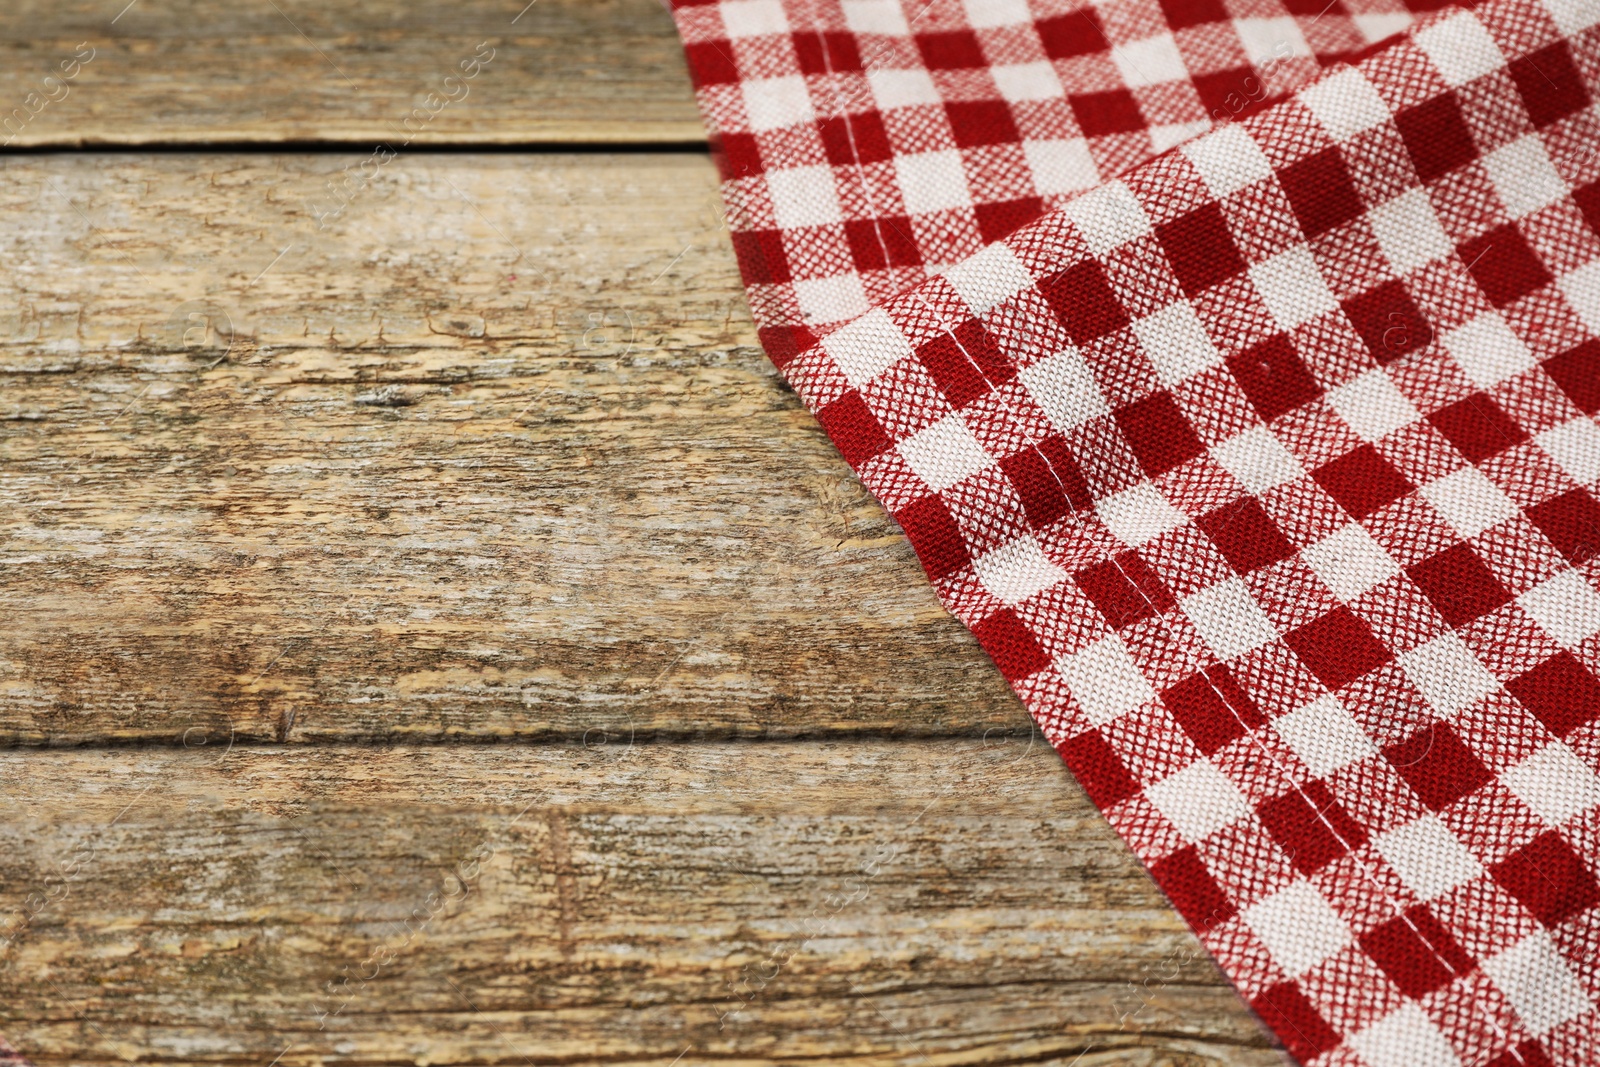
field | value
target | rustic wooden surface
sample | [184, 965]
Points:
[495, 453]
[306, 467]
[935, 902]
[172, 72]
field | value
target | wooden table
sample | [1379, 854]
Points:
[433, 634]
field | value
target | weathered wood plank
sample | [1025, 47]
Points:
[493, 453]
[198, 71]
[949, 902]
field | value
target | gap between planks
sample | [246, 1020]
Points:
[141, 965]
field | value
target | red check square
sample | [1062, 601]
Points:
[1437, 766]
[1577, 370]
[1560, 693]
[1306, 1034]
[1200, 249]
[1320, 192]
[1458, 585]
[1571, 522]
[1338, 648]
[1246, 536]
[1362, 481]
[1478, 427]
[1125, 590]
[1549, 879]
[1504, 265]
[1311, 827]
[932, 531]
[1273, 377]
[1417, 952]
[1192, 890]
[1158, 433]
[1095, 764]
[1550, 84]
[1388, 321]
[1437, 137]
[1212, 708]
[1084, 303]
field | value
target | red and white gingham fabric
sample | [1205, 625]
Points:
[1267, 473]
[866, 145]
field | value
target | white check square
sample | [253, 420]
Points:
[1298, 927]
[1027, 81]
[1268, 39]
[1150, 61]
[1409, 233]
[1061, 167]
[1461, 49]
[1349, 561]
[1199, 800]
[1573, 16]
[988, 277]
[1372, 405]
[1324, 736]
[1229, 618]
[1345, 104]
[1469, 501]
[866, 347]
[1107, 217]
[1405, 1038]
[1566, 607]
[983, 14]
[1228, 160]
[1017, 571]
[773, 103]
[1428, 857]
[753, 18]
[1176, 343]
[1139, 515]
[1292, 287]
[894, 88]
[1448, 675]
[1575, 445]
[1555, 783]
[1582, 290]
[1064, 387]
[1379, 25]
[1258, 459]
[875, 16]
[1534, 977]
[1105, 680]
[932, 181]
[945, 454]
[1488, 350]
[1524, 177]
[835, 299]
[803, 196]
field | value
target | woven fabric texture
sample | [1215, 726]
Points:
[1266, 471]
[866, 145]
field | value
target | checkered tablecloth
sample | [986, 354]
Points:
[1232, 366]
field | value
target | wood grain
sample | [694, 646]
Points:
[180, 72]
[494, 453]
[318, 449]
[944, 902]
